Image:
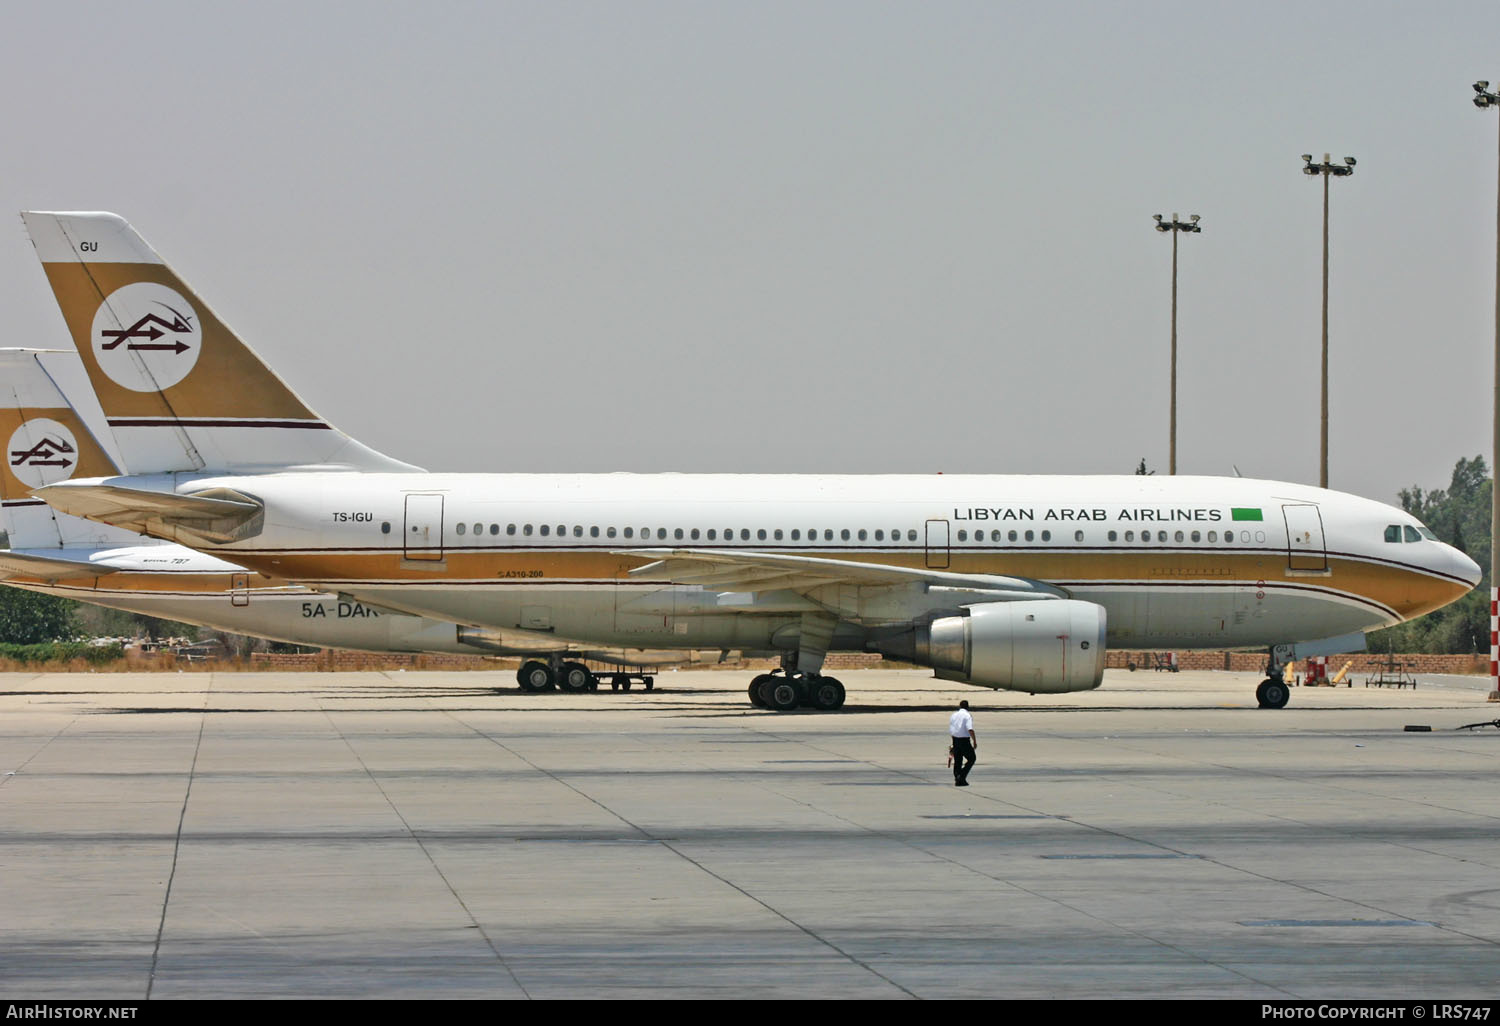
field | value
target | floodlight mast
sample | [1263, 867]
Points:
[1175, 226]
[1484, 99]
[1328, 170]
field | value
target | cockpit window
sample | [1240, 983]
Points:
[1411, 534]
[1426, 533]
[1393, 533]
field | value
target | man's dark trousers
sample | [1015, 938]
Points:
[963, 759]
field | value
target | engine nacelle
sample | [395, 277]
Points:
[1042, 647]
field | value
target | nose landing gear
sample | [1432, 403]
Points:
[1273, 692]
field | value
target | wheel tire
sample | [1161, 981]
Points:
[827, 694]
[782, 695]
[756, 698]
[650, 682]
[575, 677]
[1273, 694]
[614, 683]
[535, 676]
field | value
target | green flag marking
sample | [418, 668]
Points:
[1243, 513]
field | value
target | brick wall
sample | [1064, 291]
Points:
[1363, 662]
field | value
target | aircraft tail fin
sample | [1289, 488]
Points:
[47, 442]
[180, 390]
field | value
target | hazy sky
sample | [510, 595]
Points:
[852, 237]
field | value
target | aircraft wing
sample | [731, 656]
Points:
[48, 568]
[214, 517]
[726, 570]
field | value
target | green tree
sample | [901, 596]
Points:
[29, 618]
[1460, 516]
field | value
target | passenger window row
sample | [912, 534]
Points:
[1393, 533]
[684, 534]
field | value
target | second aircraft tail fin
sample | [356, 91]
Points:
[180, 390]
[47, 442]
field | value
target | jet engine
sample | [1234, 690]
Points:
[1042, 647]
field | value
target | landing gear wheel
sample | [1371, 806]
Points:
[650, 682]
[827, 693]
[1272, 694]
[781, 694]
[575, 677]
[756, 698]
[535, 676]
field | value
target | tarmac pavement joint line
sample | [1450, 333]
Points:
[166, 898]
[675, 850]
[426, 852]
[1071, 907]
[10, 775]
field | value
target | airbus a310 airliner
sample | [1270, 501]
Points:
[1016, 582]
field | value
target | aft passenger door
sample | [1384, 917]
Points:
[1305, 549]
[424, 528]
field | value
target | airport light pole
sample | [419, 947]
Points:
[1484, 99]
[1175, 226]
[1328, 170]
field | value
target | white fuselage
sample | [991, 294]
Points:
[1177, 562]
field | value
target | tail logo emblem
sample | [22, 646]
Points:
[146, 337]
[42, 452]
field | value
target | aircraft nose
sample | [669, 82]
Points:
[1465, 567]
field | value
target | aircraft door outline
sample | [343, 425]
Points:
[937, 545]
[422, 535]
[1306, 548]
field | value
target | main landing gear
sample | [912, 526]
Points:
[783, 691]
[1273, 692]
[535, 675]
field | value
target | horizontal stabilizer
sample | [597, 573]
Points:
[722, 570]
[48, 568]
[216, 518]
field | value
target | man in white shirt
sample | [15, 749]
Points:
[965, 741]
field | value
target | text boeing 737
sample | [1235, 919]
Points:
[999, 581]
